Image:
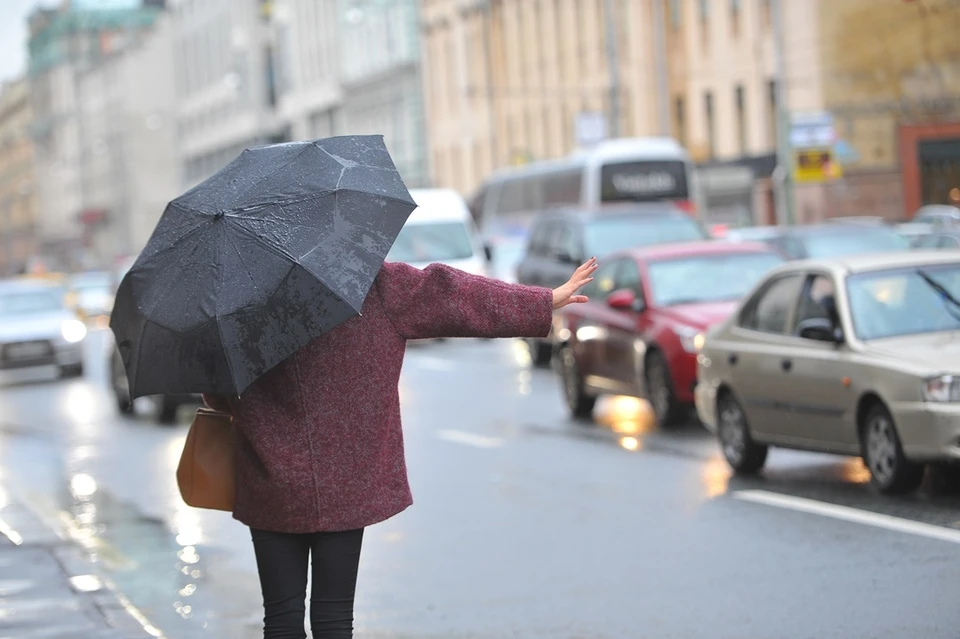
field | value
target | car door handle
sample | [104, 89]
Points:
[733, 358]
[786, 364]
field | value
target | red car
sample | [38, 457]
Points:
[649, 308]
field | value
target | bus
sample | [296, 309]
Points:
[620, 170]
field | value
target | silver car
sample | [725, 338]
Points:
[856, 356]
[37, 328]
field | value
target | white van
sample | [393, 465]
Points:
[442, 230]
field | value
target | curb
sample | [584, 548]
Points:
[72, 594]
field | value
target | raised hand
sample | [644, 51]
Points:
[566, 294]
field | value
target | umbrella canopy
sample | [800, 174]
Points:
[252, 264]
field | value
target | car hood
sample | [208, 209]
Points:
[33, 326]
[929, 353]
[700, 315]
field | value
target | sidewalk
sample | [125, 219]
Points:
[49, 588]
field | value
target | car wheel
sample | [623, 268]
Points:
[890, 471]
[660, 390]
[744, 455]
[540, 352]
[167, 409]
[578, 401]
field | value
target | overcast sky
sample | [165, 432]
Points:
[13, 34]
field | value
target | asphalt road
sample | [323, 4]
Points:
[526, 524]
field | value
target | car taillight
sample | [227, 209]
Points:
[687, 206]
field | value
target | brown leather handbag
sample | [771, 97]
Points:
[205, 474]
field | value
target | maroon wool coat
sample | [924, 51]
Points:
[320, 446]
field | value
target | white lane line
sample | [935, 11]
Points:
[846, 513]
[469, 439]
[434, 364]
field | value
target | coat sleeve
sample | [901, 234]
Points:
[441, 301]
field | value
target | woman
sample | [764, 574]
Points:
[320, 444]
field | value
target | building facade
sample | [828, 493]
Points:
[18, 194]
[129, 163]
[226, 83]
[895, 101]
[307, 50]
[507, 80]
[64, 43]
[380, 77]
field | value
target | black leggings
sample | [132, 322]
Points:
[282, 560]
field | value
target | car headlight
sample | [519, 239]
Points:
[943, 388]
[691, 339]
[73, 331]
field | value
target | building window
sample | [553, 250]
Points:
[772, 113]
[741, 120]
[711, 129]
[766, 10]
[735, 6]
[680, 119]
[676, 14]
[704, 10]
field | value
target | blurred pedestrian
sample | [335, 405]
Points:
[320, 453]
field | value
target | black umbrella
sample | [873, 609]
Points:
[249, 266]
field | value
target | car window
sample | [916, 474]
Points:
[769, 310]
[539, 241]
[604, 281]
[29, 302]
[629, 277]
[565, 242]
[926, 241]
[948, 241]
[718, 277]
[435, 242]
[811, 306]
[847, 242]
[603, 236]
[901, 302]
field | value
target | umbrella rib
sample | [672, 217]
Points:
[173, 245]
[316, 196]
[275, 171]
[216, 311]
[339, 160]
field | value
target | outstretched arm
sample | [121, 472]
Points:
[441, 301]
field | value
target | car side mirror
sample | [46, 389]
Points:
[488, 251]
[821, 330]
[566, 257]
[625, 300]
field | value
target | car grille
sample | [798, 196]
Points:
[19, 354]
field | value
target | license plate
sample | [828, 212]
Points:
[27, 350]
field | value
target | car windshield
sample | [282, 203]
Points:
[28, 302]
[901, 302]
[707, 278]
[437, 242]
[606, 235]
[850, 242]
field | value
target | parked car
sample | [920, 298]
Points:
[855, 355]
[562, 239]
[90, 295]
[442, 230]
[830, 239]
[942, 238]
[943, 214]
[37, 329]
[166, 406]
[640, 332]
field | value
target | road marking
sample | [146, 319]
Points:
[435, 364]
[469, 439]
[845, 513]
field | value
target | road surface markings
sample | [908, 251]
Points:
[845, 513]
[469, 439]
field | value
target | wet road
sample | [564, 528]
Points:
[526, 524]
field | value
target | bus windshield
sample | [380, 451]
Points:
[644, 181]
